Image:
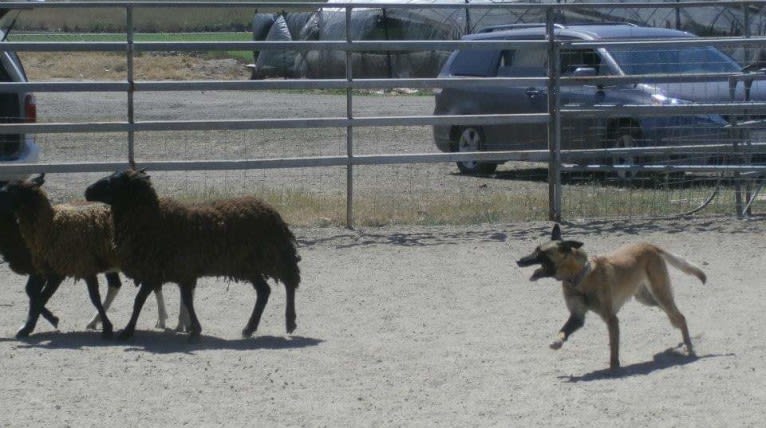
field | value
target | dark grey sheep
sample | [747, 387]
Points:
[160, 240]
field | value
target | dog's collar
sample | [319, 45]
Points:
[577, 279]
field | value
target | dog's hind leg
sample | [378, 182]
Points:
[679, 321]
[660, 287]
[614, 341]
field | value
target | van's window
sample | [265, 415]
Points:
[572, 59]
[673, 60]
[523, 62]
[475, 62]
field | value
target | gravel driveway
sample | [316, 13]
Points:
[415, 182]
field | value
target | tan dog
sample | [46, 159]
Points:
[603, 284]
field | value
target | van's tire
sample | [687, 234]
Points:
[471, 139]
[622, 138]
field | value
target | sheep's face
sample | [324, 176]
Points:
[20, 193]
[7, 203]
[119, 183]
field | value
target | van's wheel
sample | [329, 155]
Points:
[471, 139]
[625, 138]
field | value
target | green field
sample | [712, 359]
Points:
[222, 36]
[145, 19]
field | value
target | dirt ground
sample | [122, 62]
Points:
[410, 327]
[397, 326]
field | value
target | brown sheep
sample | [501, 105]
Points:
[15, 252]
[58, 241]
[160, 240]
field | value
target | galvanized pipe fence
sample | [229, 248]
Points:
[553, 155]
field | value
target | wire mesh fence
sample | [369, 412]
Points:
[358, 168]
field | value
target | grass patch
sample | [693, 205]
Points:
[242, 56]
[303, 207]
[144, 19]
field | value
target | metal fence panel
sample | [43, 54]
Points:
[565, 175]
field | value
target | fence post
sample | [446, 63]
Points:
[131, 84]
[554, 121]
[349, 128]
[749, 58]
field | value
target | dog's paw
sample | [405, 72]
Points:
[556, 345]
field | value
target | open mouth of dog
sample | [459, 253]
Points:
[546, 269]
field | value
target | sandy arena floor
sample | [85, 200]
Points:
[413, 327]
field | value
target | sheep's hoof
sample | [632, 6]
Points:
[54, 321]
[24, 331]
[247, 332]
[92, 326]
[194, 338]
[124, 335]
[107, 334]
[160, 324]
[291, 326]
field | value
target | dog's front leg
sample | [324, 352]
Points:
[614, 342]
[573, 324]
[577, 310]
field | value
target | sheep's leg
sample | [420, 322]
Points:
[113, 287]
[143, 293]
[39, 290]
[184, 322]
[290, 309]
[262, 291]
[52, 284]
[95, 298]
[162, 313]
[52, 319]
[34, 291]
[187, 300]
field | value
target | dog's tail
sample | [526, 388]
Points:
[683, 265]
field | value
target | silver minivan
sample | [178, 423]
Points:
[15, 107]
[586, 132]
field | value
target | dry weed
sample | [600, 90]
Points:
[41, 66]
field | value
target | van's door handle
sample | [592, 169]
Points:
[534, 92]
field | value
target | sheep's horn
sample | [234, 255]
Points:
[39, 180]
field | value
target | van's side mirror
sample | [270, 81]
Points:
[584, 72]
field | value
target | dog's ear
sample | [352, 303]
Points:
[570, 245]
[556, 233]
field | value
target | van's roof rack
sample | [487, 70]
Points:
[503, 27]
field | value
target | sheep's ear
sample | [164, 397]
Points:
[556, 233]
[39, 180]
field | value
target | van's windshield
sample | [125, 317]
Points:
[673, 60]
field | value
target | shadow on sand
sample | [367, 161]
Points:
[162, 342]
[666, 359]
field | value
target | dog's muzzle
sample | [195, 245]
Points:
[545, 270]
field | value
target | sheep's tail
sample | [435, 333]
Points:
[683, 265]
[292, 273]
[291, 277]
